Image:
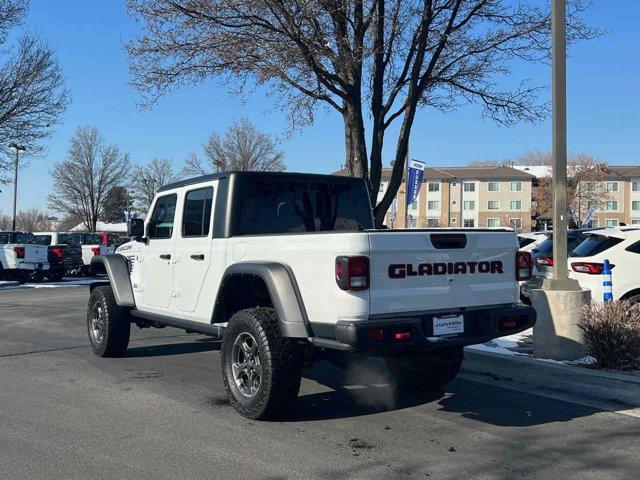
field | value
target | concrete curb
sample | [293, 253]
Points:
[6, 284]
[595, 385]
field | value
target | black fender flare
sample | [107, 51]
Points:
[283, 290]
[117, 269]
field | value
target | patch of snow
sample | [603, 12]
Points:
[485, 347]
[512, 341]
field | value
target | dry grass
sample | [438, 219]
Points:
[612, 334]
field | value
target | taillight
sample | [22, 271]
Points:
[19, 251]
[523, 266]
[548, 261]
[58, 253]
[588, 267]
[352, 273]
[95, 250]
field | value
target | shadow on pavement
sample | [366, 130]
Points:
[200, 345]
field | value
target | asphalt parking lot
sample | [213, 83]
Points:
[161, 412]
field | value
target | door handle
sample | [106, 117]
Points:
[165, 256]
[199, 256]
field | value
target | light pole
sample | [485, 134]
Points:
[18, 148]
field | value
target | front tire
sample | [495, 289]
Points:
[426, 372]
[108, 324]
[260, 368]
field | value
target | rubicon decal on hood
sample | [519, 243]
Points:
[403, 270]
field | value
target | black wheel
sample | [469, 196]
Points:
[428, 371]
[56, 276]
[107, 324]
[22, 278]
[260, 368]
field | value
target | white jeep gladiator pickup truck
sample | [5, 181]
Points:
[293, 268]
[20, 257]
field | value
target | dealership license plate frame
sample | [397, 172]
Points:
[448, 325]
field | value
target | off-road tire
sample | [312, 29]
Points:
[280, 364]
[115, 329]
[426, 372]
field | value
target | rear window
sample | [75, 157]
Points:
[547, 245]
[594, 244]
[269, 206]
[66, 239]
[524, 241]
[21, 237]
[43, 239]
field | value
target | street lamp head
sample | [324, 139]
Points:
[17, 147]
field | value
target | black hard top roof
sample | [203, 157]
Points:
[266, 175]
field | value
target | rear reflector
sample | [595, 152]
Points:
[19, 251]
[588, 267]
[376, 334]
[58, 253]
[352, 273]
[401, 336]
[523, 266]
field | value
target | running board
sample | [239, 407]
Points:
[213, 330]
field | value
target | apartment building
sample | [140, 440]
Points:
[621, 187]
[466, 197]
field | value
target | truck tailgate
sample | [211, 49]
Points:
[415, 271]
[35, 253]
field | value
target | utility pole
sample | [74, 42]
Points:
[18, 148]
[560, 280]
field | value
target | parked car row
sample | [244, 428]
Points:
[588, 249]
[37, 256]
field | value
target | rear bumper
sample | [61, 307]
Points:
[480, 325]
[33, 266]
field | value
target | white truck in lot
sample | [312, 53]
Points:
[20, 258]
[293, 268]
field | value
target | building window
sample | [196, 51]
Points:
[493, 204]
[515, 223]
[515, 205]
[635, 221]
[414, 223]
[433, 205]
[469, 205]
[493, 222]
[493, 186]
[591, 223]
[469, 186]
[516, 186]
[612, 186]
[434, 187]
[635, 205]
[612, 206]
[635, 186]
[590, 186]
[413, 205]
[469, 223]
[433, 222]
[611, 222]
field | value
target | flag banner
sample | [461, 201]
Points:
[589, 215]
[414, 180]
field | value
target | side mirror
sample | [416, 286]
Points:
[135, 228]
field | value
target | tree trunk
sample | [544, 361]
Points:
[357, 160]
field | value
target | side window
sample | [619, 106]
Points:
[4, 238]
[633, 248]
[196, 216]
[161, 222]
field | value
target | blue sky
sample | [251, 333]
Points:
[603, 96]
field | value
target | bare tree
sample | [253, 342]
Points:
[378, 58]
[147, 179]
[32, 220]
[242, 148]
[32, 93]
[91, 169]
[117, 202]
[586, 186]
[5, 222]
[68, 222]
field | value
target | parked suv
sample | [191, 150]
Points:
[543, 258]
[621, 246]
[293, 267]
